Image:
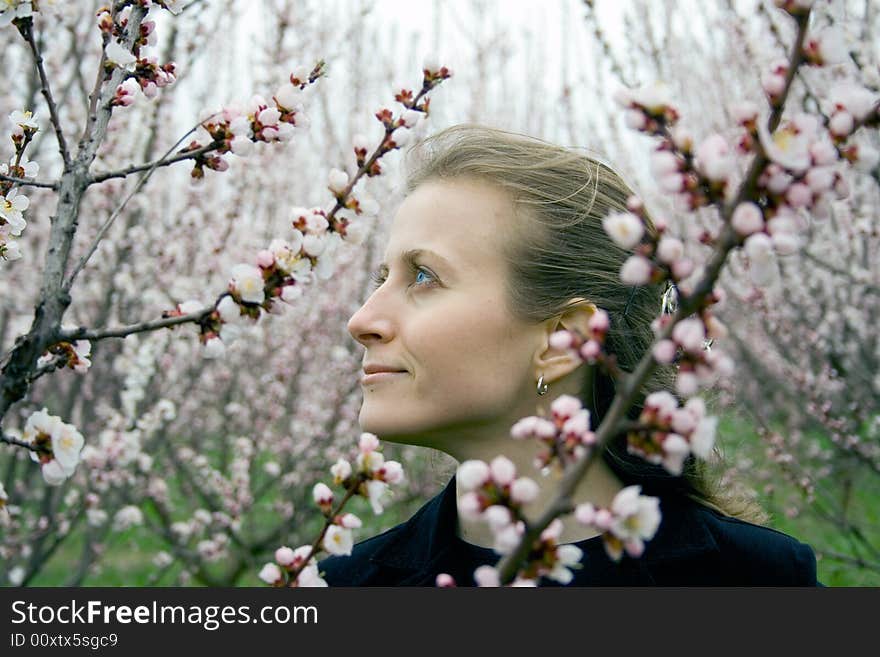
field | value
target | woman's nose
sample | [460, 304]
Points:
[370, 323]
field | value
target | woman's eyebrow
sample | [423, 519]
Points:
[409, 257]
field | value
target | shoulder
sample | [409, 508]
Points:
[720, 550]
[761, 555]
[358, 569]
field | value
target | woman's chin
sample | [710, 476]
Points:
[387, 425]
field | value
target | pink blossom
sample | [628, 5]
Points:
[498, 517]
[445, 580]
[284, 556]
[290, 293]
[469, 506]
[322, 494]
[664, 162]
[565, 406]
[636, 270]
[241, 146]
[265, 258]
[866, 157]
[624, 228]
[714, 158]
[472, 474]
[411, 117]
[585, 514]
[681, 269]
[662, 404]
[341, 470]
[590, 351]
[487, 576]
[744, 112]
[634, 119]
[664, 351]
[758, 247]
[599, 322]
[375, 492]
[502, 470]
[828, 47]
[703, 438]
[655, 96]
[337, 180]
[669, 249]
[686, 384]
[578, 424]
[560, 340]
[747, 218]
[841, 124]
[270, 573]
[507, 538]
[553, 531]
[675, 451]
[823, 152]
[799, 195]
[690, 334]
[853, 98]
[288, 96]
[772, 84]
[820, 179]
[400, 136]
[392, 472]
[683, 421]
[603, 519]
[672, 183]
[368, 442]
[524, 490]
[350, 521]
[524, 427]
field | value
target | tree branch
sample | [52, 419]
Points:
[122, 331]
[24, 182]
[106, 225]
[26, 28]
[163, 161]
[631, 385]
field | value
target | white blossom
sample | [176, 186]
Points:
[625, 228]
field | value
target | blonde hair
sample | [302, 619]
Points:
[557, 250]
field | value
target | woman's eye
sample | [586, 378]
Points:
[378, 279]
[425, 271]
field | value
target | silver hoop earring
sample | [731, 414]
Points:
[542, 387]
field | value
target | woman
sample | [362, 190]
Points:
[498, 244]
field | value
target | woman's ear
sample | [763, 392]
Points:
[555, 363]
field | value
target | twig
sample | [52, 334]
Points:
[25, 182]
[855, 561]
[122, 331]
[161, 162]
[20, 443]
[25, 27]
[109, 222]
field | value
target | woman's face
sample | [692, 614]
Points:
[468, 363]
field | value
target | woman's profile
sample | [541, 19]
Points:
[498, 244]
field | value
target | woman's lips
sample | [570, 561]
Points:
[378, 377]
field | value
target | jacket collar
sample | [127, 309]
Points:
[430, 533]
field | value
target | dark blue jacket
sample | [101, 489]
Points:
[694, 546]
